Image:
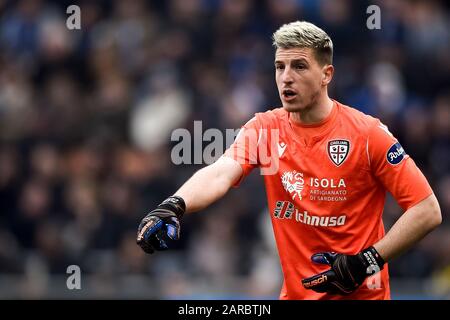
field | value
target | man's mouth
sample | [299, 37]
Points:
[289, 94]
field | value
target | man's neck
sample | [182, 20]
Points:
[315, 113]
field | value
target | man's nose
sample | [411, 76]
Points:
[287, 75]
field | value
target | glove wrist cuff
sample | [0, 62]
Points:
[372, 257]
[175, 204]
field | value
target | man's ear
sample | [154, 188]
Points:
[327, 74]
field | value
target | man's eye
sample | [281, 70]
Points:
[300, 67]
[279, 67]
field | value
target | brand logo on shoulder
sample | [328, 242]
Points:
[281, 147]
[338, 151]
[395, 154]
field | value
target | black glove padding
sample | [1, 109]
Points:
[347, 272]
[160, 225]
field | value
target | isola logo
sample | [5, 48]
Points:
[395, 154]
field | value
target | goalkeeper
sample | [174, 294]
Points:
[327, 168]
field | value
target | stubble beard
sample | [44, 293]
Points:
[298, 106]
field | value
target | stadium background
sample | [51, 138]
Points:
[86, 117]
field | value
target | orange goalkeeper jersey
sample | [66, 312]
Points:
[326, 186]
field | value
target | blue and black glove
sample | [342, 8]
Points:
[347, 272]
[160, 225]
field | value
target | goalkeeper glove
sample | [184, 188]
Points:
[161, 224]
[347, 272]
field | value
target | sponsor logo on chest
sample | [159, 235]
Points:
[319, 189]
[285, 210]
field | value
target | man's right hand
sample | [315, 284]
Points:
[160, 225]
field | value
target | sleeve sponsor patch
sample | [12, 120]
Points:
[395, 154]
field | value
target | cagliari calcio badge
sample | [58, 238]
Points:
[338, 151]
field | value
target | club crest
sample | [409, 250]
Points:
[338, 151]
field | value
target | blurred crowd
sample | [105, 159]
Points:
[86, 118]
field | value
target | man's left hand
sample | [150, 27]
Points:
[347, 272]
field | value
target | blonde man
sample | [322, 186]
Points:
[326, 195]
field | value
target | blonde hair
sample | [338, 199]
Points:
[302, 34]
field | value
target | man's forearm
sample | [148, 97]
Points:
[209, 184]
[411, 227]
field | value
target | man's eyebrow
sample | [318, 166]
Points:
[292, 61]
[300, 60]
